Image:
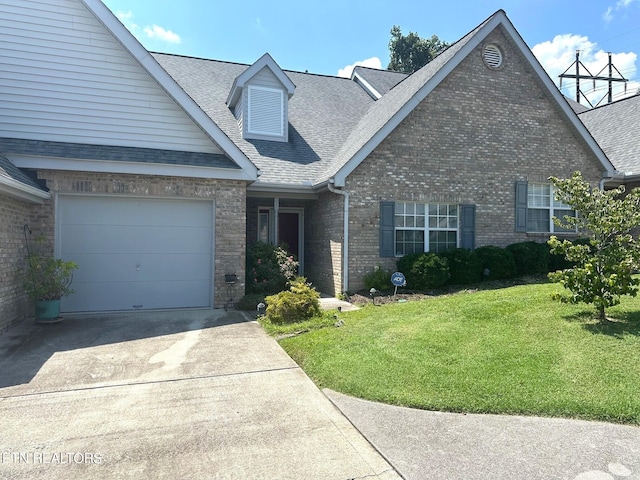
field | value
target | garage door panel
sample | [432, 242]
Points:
[137, 253]
[126, 211]
[110, 239]
[94, 297]
[173, 294]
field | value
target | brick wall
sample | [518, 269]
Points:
[14, 302]
[324, 235]
[469, 141]
[230, 204]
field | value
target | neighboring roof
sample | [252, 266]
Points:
[380, 80]
[616, 127]
[322, 113]
[16, 183]
[576, 106]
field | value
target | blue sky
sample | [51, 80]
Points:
[326, 36]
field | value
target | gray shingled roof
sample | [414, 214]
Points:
[381, 80]
[322, 113]
[9, 170]
[113, 153]
[616, 127]
[330, 118]
[576, 106]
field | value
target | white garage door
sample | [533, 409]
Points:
[136, 253]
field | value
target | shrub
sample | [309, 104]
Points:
[377, 278]
[250, 302]
[269, 268]
[498, 261]
[531, 258]
[464, 266]
[405, 266]
[300, 302]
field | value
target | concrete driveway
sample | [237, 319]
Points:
[188, 394]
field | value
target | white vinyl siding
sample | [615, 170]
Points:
[65, 78]
[266, 111]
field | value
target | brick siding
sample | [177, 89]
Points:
[230, 204]
[469, 141]
[14, 302]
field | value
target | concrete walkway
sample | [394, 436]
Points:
[187, 394]
[438, 446]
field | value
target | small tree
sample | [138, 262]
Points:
[603, 268]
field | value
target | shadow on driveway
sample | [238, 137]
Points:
[26, 347]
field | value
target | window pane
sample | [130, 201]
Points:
[410, 210]
[420, 222]
[537, 220]
[410, 222]
[539, 195]
[420, 209]
[561, 214]
[399, 221]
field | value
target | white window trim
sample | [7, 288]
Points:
[252, 131]
[552, 208]
[426, 229]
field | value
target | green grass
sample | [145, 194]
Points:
[512, 351]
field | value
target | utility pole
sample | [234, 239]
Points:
[609, 79]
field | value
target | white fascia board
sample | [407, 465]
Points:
[259, 189]
[560, 100]
[133, 168]
[19, 190]
[169, 85]
[499, 19]
[367, 86]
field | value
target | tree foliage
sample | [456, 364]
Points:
[603, 269]
[410, 52]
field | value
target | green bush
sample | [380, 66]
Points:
[559, 262]
[464, 266]
[250, 302]
[531, 258]
[269, 268]
[499, 262]
[300, 302]
[405, 265]
[377, 278]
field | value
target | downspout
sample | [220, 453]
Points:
[345, 242]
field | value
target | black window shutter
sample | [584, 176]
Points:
[468, 227]
[387, 222]
[521, 206]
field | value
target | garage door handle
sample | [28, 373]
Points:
[138, 267]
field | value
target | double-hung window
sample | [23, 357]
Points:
[423, 227]
[540, 206]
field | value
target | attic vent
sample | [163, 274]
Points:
[266, 110]
[492, 56]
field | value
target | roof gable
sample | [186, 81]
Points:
[169, 85]
[387, 113]
[266, 61]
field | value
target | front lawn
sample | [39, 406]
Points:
[512, 350]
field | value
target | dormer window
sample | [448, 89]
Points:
[266, 111]
[259, 99]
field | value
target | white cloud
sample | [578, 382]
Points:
[620, 4]
[373, 62]
[155, 31]
[559, 55]
[150, 31]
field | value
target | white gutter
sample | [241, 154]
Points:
[616, 176]
[19, 190]
[345, 242]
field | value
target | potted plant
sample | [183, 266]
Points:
[48, 279]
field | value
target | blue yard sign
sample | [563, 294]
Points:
[398, 279]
